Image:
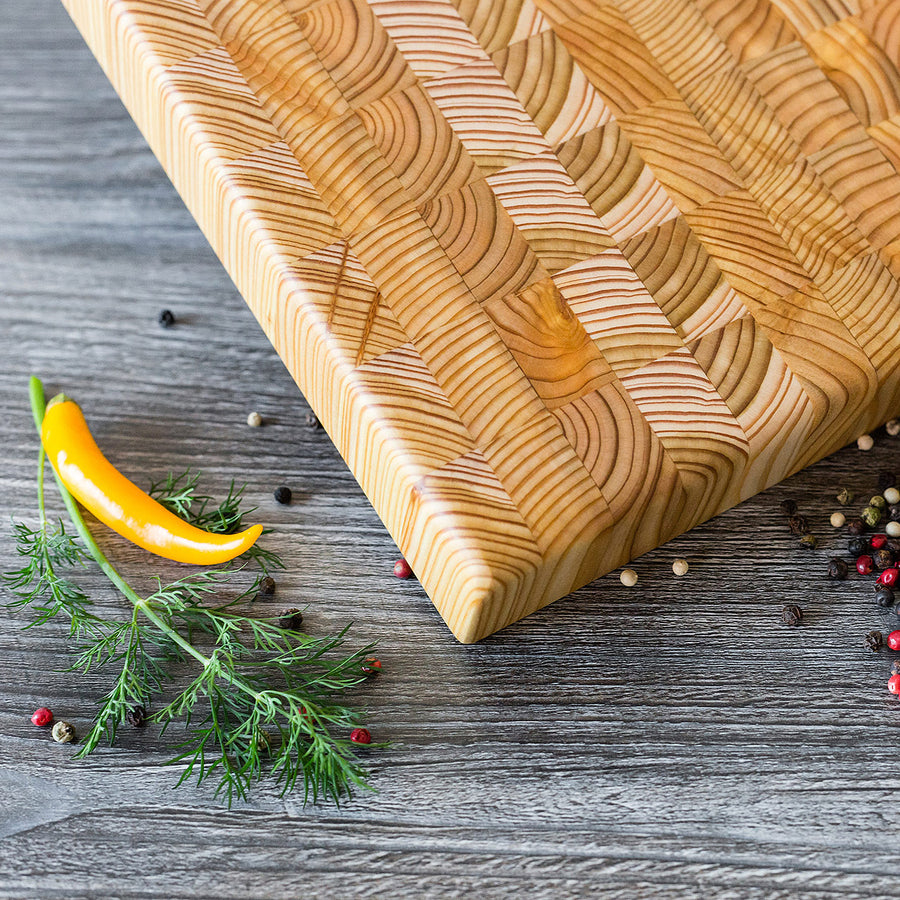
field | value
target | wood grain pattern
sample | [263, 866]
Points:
[537, 232]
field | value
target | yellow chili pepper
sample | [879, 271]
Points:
[119, 503]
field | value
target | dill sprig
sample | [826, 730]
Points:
[180, 495]
[264, 699]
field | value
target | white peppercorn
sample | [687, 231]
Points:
[838, 519]
[63, 733]
[680, 567]
[629, 577]
[254, 420]
[865, 442]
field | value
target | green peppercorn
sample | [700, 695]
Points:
[871, 515]
[878, 502]
[810, 541]
[845, 497]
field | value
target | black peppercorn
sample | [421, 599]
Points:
[886, 480]
[858, 545]
[266, 586]
[792, 615]
[166, 319]
[895, 667]
[789, 507]
[291, 619]
[893, 512]
[136, 716]
[283, 494]
[798, 524]
[884, 596]
[893, 544]
[875, 641]
[855, 526]
[883, 558]
[837, 569]
[312, 421]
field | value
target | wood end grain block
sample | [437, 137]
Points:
[561, 278]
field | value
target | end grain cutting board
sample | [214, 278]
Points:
[561, 278]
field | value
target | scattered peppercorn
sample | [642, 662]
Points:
[895, 667]
[858, 545]
[871, 515]
[63, 733]
[136, 717]
[266, 587]
[254, 419]
[845, 497]
[372, 666]
[792, 615]
[892, 529]
[877, 541]
[884, 596]
[865, 564]
[810, 541]
[875, 641]
[892, 427]
[886, 480]
[894, 684]
[883, 558]
[42, 717]
[892, 495]
[798, 524]
[855, 525]
[837, 569]
[789, 507]
[361, 736]
[893, 640]
[290, 619]
[628, 577]
[878, 502]
[893, 512]
[838, 519]
[402, 569]
[889, 577]
[680, 567]
[166, 318]
[865, 442]
[312, 421]
[283, 495]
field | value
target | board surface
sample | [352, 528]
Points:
[561, 278]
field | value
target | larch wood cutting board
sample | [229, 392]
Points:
[561, 278]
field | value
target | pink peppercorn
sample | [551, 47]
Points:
[362, 735]
[402, 569]
[865, 564]
[42, 717]
[372, 666]
[889, 577]
[893, 640]
[894, 684]
[877, 541]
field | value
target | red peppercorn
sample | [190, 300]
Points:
[894, 684]
[878, 541]
[889, 577]
[894, 640]
[362, 735]
[402, 569]
[372, 666]
[42, 717]
[865, 564]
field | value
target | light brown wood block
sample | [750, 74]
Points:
[561, 278]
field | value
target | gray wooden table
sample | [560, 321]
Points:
[673, 740]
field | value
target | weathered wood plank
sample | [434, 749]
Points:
[675, 740]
